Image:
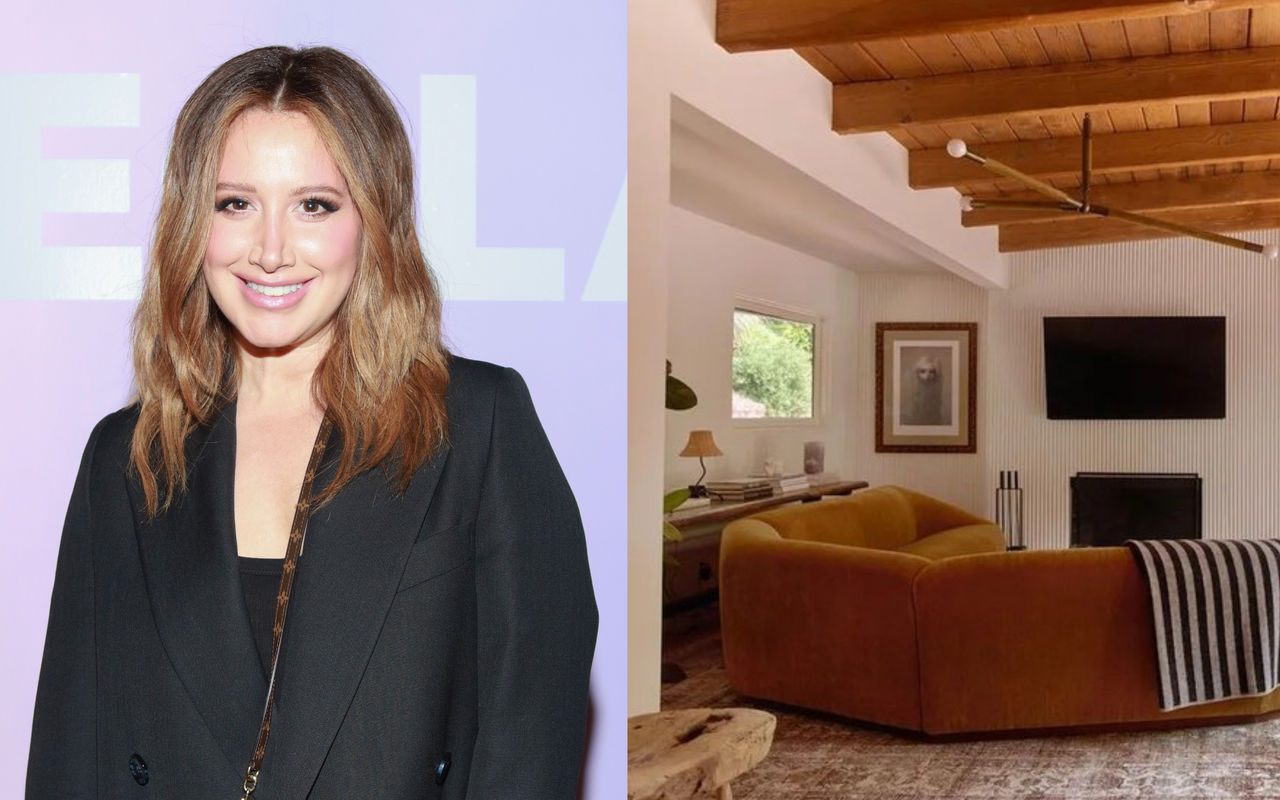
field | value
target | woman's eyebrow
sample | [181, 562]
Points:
[235, 187]
[316, 188]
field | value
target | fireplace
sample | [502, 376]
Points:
[1108, 508]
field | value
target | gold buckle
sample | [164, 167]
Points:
[250, 782]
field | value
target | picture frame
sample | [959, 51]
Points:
[926, 387]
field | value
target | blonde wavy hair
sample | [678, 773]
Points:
[384, 377]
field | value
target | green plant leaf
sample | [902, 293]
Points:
[679, 396]
[671, 533]
[673, 500]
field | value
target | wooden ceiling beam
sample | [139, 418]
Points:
[1098, 230]
[1117, 152]
[1056, 89]
[743, 25]
[1142, 198]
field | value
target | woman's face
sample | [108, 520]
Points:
[282, 249]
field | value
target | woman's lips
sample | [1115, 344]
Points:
[275, 303]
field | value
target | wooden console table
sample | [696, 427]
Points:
[726, 512]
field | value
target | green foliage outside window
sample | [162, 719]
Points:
[772, 366]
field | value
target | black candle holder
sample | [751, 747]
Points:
[1009, 509]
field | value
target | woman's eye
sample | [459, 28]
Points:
[315, 206]
[233, 203]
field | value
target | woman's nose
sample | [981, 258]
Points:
[271, 249]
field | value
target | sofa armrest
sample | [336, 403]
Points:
[820, 625]
[933, 515]
[963, 541]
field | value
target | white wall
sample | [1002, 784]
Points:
[711, 266]
[955, 477]
[648, 190]
[1239, 457]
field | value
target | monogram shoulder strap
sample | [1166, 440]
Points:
[296, 534]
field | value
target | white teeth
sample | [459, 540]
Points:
[274, 291]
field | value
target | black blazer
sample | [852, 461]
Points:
[449, 629]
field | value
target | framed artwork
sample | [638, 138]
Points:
[926, 387]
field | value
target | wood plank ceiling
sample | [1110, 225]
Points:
[1183, 95]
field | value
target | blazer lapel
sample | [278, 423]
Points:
[353, 556]
[189, 558]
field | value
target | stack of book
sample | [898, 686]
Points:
[740, 489]
[823, 478]
[785, 483]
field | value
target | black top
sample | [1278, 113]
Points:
[260, 578]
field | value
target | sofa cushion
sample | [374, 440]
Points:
[879, 518]
[963, 541]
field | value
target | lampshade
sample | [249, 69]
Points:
[700, 444]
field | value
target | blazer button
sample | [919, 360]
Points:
[442, 769]
[138, 769]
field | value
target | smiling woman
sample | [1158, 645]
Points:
[285, 229]
[441, 625]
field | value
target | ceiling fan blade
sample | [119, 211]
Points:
[1185, 230]
[1020, 205]
[1086, 162]
[958, 149]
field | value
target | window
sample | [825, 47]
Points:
[774, 363]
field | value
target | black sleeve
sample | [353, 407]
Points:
[537, 614]
[63, 758]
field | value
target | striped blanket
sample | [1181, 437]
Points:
[1216, 608]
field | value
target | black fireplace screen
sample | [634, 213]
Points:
[1108, 508]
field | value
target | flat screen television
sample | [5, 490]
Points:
[1135, 367]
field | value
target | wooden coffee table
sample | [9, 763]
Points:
[691, 753]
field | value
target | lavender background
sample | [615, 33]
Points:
[550, 143]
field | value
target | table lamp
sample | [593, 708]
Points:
[700, 444]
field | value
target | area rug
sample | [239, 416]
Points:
[817, 757]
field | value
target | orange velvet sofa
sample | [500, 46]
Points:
[894, 608]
